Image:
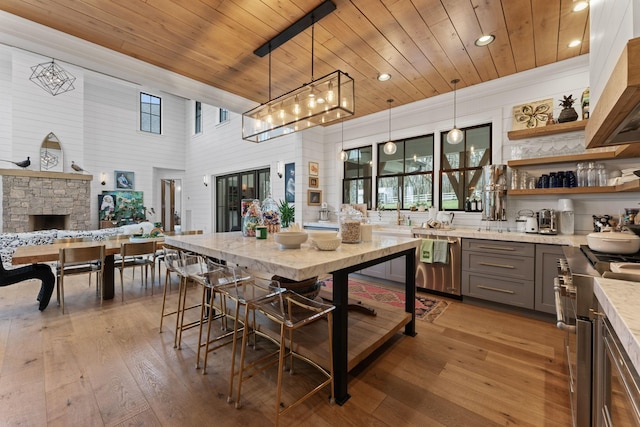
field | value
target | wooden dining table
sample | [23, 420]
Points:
[47, 253]
[265, 255]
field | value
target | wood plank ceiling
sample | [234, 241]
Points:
[423, 44]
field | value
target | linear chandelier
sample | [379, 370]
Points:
[52, 78]
[318, 102]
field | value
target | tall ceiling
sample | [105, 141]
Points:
[423, 44]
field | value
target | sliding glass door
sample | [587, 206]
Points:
[231, 189]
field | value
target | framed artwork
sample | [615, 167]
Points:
[314, 167]
[314, 197]
[290, 182]
[532, 114]
[124, 180]
[313, 182]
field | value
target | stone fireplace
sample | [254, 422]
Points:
[34, 200]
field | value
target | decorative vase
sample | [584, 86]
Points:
[568, 115]
[251, 219]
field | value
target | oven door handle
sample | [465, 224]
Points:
[561, 324]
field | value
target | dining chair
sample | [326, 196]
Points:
[89, 254]
[291, 312]
[137, 254]
[80, 267]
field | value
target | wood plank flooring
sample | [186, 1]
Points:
[109, 366]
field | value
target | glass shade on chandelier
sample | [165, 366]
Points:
[320, 102]
[389, 148]
[343, 156]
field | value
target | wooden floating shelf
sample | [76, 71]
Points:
[618, 152]
[627, 186]
[547, 130]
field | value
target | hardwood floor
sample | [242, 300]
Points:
[109, 366]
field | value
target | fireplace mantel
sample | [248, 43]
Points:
[50, 175]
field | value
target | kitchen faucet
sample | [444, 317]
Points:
[400, 217]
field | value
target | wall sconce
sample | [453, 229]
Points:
[279, 169]
[103, 178]
[205, 180]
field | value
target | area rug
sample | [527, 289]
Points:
[427, 308]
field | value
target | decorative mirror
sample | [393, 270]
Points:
[51, 158]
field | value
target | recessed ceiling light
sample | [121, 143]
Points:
[383, 77]
[485, 40]
[574, 43]
[580, 5]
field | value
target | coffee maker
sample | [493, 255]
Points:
[547, 221]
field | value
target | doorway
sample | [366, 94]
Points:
[231, 189]
[170, 207]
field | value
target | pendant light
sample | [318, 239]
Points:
[390, 146]
[455, 135]
[343, 154]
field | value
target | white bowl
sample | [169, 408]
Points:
[290, 239]
[328, 244]
[614, 243]
[322, 234]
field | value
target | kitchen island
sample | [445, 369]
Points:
[300, 264]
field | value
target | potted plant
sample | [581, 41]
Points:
[568, 113]
[287, 213]
[421, 206]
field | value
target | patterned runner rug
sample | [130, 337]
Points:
[428, 308]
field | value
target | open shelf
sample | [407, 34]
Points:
[627, 186]
[547, 130]
[612, 153]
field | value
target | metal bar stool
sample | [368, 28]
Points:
[291, 312]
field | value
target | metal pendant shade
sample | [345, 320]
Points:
[389, 146]
[455, 135]
[318, 102]
[52, 78]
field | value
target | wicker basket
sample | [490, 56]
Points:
[309, 288]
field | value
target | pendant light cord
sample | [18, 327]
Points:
[313, 34]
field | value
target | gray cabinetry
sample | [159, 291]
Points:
[499, 271]
[546, 270]
[393, 270]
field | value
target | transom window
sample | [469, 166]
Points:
[356, 186]
[461, 166]
[150, 113]
[406, 177]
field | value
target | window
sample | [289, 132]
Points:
[198, 122]
[461, 166]
[231, 189]
[406, 177]
[356, 186]
[223, 115]
[150, 113]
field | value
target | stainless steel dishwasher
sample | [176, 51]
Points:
[440, 278]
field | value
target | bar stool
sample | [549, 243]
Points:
[170, 257]
[188, 266]
[291, 312]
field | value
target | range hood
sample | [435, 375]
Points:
[616, 118]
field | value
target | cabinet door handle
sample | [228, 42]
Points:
[490, 264]
[498, 248]
[491, 288]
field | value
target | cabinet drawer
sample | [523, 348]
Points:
[499, 247]
[503, 290]
[517, 267]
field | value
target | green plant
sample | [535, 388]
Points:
[567, 102]
[287, 213]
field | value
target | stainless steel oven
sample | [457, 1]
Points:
[617, 385]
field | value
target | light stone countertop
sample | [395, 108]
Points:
[619, 300]
[295, 264]
[473, 233]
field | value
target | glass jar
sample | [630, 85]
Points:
[592, 175]
[602, 175]
[350, 221]
[271, 215]
[251, 219]
[553, 180]
[581, 177]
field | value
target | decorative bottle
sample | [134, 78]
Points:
[251, 219]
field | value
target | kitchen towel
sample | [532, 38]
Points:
[426, 251]
[441, 251]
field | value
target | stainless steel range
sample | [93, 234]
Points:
[574, 302]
